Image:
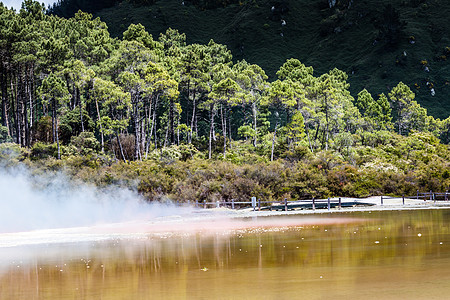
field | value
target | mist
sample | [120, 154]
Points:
[32, 202]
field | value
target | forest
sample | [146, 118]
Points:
[180, 121]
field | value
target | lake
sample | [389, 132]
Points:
[348, 255]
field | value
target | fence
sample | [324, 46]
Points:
[258, 204]
[431, 196]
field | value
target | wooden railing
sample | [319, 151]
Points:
[258, 204]
[430, 196]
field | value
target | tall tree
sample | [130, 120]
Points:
[410, 115]
[54, 93]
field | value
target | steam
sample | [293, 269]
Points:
[30, 202]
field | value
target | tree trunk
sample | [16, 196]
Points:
[254, 111]
[17, 112]
[100, 125]
[56, 128]
[136, 135]
[178, 131]
[192, 119]
[171, 122]
[142, 134]
[309, 140]
[228, 115]
[224, 131]
[154, 125]
[14, 128]
[327, 125]
[4, 88]
[120, 147]
[31, 105]
[77, 91]
[211, 130]
[148, 133]
[273, 143]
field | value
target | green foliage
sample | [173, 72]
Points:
[70, 124]
[43, 130]
[246, 131]
[410, 115]
[42, 151]
[11, 153]
[138, 33]
[4, 136]
[85, 143]
[166, 155]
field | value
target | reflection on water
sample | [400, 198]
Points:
[394, 255]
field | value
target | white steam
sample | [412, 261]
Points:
[30, 203]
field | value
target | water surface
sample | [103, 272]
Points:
[379, 255]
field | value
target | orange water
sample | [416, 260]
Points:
[391, 255]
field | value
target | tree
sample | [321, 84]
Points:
[53, 92]
[194, 77]
[162, 85]
[79, 77]
[252, 82]
[224, 93]
[109, 100]
[136, 32]
[410, 115]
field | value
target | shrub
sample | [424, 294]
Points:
[85, 143]
[4, 137]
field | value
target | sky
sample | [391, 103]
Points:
[17, 4]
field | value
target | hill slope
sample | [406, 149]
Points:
[377, 45]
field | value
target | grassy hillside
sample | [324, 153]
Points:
[344, 37]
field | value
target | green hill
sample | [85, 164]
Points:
[377, 45]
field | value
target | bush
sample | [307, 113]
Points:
[4, 137]
[11, 153]
[85, 143]
[41, 150]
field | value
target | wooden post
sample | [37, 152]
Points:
[329, 204]
[204, 203]
[381, 200]
[314, 204]
[340, 203]
[259, 204]
[434, 197]
[431, 195]
[403, 199]
[232, 203]
[446, 197]
[285, 204]
[417, 197]
[218, 204]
